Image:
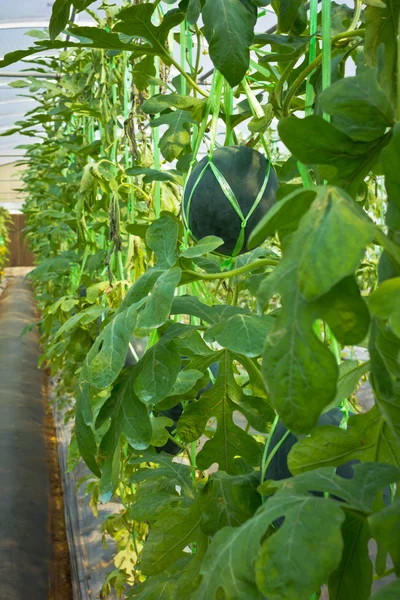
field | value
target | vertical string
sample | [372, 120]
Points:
[156, 152]
[310, 95]
[326, 82]
[216, 109]
[326, 47]
[312, 54]
[228, 102]
[398, 72]
[182, 44]
[128, 158]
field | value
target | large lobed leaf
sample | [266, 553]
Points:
[314, 282]
[229, 29]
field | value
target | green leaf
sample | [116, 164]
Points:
[86, 316]
[104, 368]
[141, 288]
[160, 102]
[100, 38]
[160, 434]
[156, 372]
[381, 25]
[334, 221]
[353, 577]
[174, 472]
[162, 238]
[150, 174]
[367, 438]
[314, 140]
[193, 11]
[284, 47]
[82, 4]
[244, 334]
[344, 309]
[229, 441]
[177, 136]
[389, 592]
[162, 585]
[170, 535]
[10, 132]
[283, 217]
[359, 106]
[283, 567]
[287, 11]
[147, 507]
[257, 412]
[138, 229]
[390, 162]
[86, 440]
[204, 246]
[229, 30]
[230, 501]
[261, 124]
[288, 554]
[186, 380]
[385, 303]
[296, 364]
[191, 305]
[136, 21]
[350, 373]
[59, 17]
[128, 416]
[384, 348]
[110, 470]
[158, 306]
[94, 291]
[360, 492]
[385, 526]
[143, 71]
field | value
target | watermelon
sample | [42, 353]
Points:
[207, 209]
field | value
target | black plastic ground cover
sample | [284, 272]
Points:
[25, 546]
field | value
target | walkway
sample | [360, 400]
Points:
[25, 547]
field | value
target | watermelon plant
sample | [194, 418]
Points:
[5, 222]
[218, 271]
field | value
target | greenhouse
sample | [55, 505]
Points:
[200, 300]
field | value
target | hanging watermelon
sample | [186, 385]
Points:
[228, 195]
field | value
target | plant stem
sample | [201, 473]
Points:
[356, 15]
[312, 53]
[177, 442]
[182, 42]
[190, 81]
[198, 54]
[326, 48]
[193, 460]
[385, 574]
[279, 86]
[257, 264]
[266, 448]
[305, 175]
[273, 452]
[391, 248]
[310, 68]
[398, 72]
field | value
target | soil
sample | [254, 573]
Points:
[60, 568]
[33, 549]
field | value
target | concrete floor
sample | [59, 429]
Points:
[25, 548]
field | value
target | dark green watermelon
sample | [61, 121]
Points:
[211, 213]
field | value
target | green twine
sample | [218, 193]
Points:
[214, 104]
[230, 196]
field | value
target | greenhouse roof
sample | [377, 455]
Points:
[16, 20]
